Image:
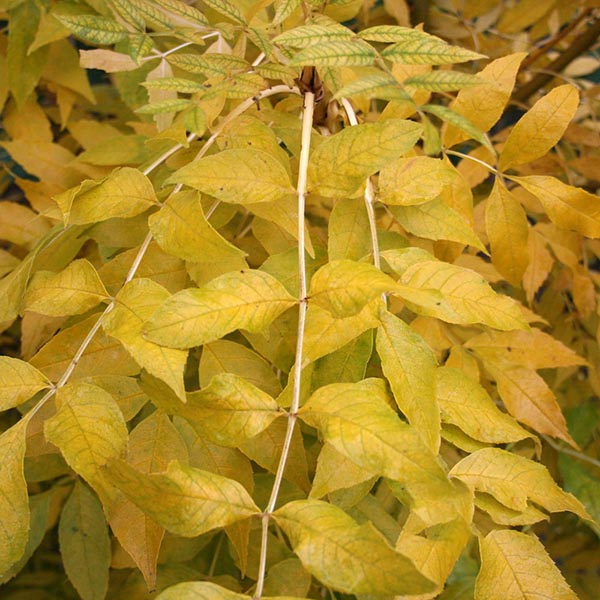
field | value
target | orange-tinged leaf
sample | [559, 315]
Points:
[515, 566]
[540, 264]
[351, 558]
[85, 543]
[345, 287]
[89, 429]
[410, 366]
[19, 381]
[507, 230]
[528, 398]
[184, 500]
[483, 105]
[14, 505]
[73, 291]
[136, 302]
[465, 404]
[567, 206]
[540, 128]
[533, 349]
[245, 299]
[514, 481]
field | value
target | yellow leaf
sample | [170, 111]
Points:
[199, 590]
[540, 128]
[324, 333]
[246, 299]
[514, 481]
[341, 162]
[410, 366]
[125, 193]
[540, 264]
[515, 566]
[467, 293]
[414, 180]
[152, 445]
[465, 404]
[14, 505]
[238, 176]
[348, 230]
[88, 428]
[507, 230]
[103, 356]
[136, 302]
[106, 60]
[351, 558]
[528, 398]
[506, 516]
[84, 543]
[533, 349]
[483, 105]
[73, 291]
[184, 500]
[19, 381]
[345, 287]
[567, 206]
[21, 225]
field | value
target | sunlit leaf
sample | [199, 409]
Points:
[422, 48]
[381, 85]
[309, 35]
[443, 81]
[337, 53]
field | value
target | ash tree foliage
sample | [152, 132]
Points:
[294, 304]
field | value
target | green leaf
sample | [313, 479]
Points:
[88, 428]
[124, 193]
[309, 35]
[227, 9]
[94, 28]
[14, 506]
[85, 543]
[19, 381]
[425, 49]
[73, 291]
[341, 162]
[350, 558]
[515, 565]
[181, 229]
[514, 481]
[184, 500]
[238, 176]
[567, 206]
[582, 484]
[443, 81]
[381, 85]
[134, 304]
[345, 287]
[246, 299]
[410, 366]
[340, 53]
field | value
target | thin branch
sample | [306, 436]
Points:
[564, 450]
[474, 159]
[307, 121]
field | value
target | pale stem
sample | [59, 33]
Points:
[307, 120]
[369, 194]
[238, 110]
[570, 452]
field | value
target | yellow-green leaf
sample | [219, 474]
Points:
[14, 505]
[381, 85]
[199, 590]
[308, 35]
[443, 81]
[345, 287]
[208, 64]
[351, 558]
[238, 176]
[246, 299]
[125, 193]
[184, 500]
[338, 53]
[94, 28]
[181, 229]
[514, 481]
[89, 429]
[515, 566]
[348, 230]
[73, 291]
[567, 206]
[414, 180]
[424, 49]
[467, 293]
[341, 162]
[85, 543]
[540, 128]
[465, 404]
[134, 304]
[19, 381]
[227, 9]
[181, 9]
[410, 366]
[507, 230]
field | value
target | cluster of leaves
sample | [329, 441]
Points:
[255, 347]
